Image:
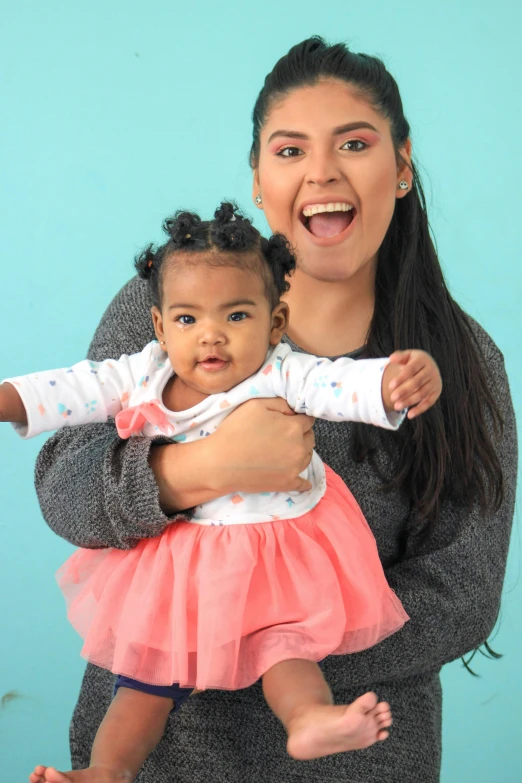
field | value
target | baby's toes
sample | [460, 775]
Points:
[384, 719]
[37, 775]
[53, 775]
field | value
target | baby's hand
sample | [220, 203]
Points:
[11, 405]
[411, 380]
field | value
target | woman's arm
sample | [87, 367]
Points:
[96, 490]
[450, 585]
[243, 455]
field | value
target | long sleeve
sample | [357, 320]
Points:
[451, 584]
[340, 390]
[86, 393]
[94, 489]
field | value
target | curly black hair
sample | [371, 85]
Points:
[229, 239]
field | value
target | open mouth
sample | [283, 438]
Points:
[213, 363]
[327, 220]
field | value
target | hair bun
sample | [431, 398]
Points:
[226, 213]
[279, 254]
[183, 228]
[231, 229]
[144, 263]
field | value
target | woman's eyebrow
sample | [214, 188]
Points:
[287, 134]
[350, 126]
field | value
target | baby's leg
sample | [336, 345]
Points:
[131, 729]
[298, 694]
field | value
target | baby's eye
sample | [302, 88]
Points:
[186, 319]
[238, 316]
[290, 152]
[354, 145]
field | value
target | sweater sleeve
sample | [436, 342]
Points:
[96, 490]
[451, 584]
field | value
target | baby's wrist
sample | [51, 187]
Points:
[391, 371]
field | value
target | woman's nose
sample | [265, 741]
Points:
[323, 169]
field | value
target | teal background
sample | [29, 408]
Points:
[113, 114]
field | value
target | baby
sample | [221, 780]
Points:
[252, 586]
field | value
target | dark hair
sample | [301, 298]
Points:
[229, 239]
[448, 452]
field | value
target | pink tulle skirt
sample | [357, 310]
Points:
[216, 607]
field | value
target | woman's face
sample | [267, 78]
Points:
[328, 176]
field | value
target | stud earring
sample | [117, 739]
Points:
[162, 342]
[258, 199]
[403, 185]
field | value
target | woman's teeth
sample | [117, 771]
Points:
[332, 206]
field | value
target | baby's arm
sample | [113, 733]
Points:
[371, 391]
[87, 392]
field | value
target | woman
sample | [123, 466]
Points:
[332, 167]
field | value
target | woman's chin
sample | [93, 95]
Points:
[323, 272]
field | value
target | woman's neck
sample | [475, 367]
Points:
[329, 318]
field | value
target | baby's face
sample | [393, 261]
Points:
[217, 325]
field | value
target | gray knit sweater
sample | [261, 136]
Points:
[96, 490]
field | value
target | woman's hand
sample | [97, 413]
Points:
[262, 446]
[11, 405]
[411, 380]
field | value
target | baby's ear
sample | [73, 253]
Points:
[280, 315]
[157, 322]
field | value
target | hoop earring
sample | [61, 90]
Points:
[403, 185]
[258, 199]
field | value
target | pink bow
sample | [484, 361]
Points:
[132, 420]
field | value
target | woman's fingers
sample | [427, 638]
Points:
[301, 485]
[309, 442]
[261, 450]
[272, 404]
[279, 405]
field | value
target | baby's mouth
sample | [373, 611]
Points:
[327, 220]
[213, 363]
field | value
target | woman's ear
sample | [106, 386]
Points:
[280, 315]
[404, 172]
[157, 322]
[256, 190]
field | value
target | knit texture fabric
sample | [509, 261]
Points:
[96, 490]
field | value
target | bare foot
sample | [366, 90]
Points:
[325, 729]
[43, 774]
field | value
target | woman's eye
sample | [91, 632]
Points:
[290, 152]
[238, 316]
[186, 319]
[354, 145]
